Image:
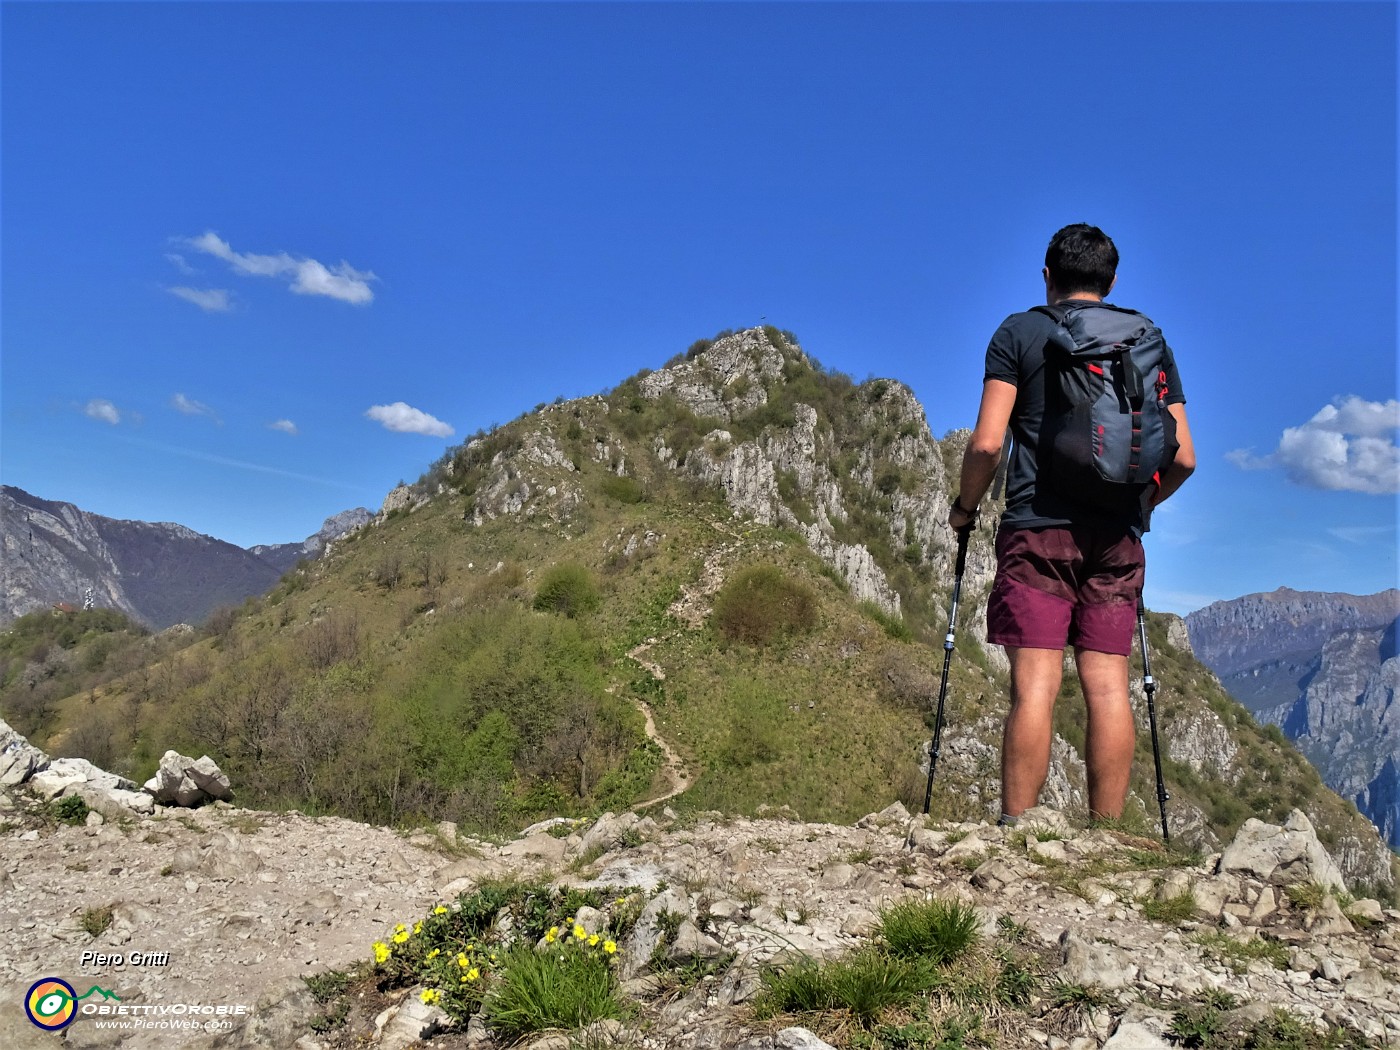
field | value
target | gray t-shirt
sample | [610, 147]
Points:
[1016, 355]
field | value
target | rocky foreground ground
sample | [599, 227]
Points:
[222, 906]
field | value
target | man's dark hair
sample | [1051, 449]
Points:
[1081, 258]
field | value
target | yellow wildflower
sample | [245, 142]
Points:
[434, 953]
[580, 933]
[381, 952]
[551, 934]
[473, 974]
[430, 995]
[610, 946]
[401, 936]
[417, 927]
[593, 941]
[439, 910]
[462, 960]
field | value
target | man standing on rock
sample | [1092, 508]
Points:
[1069, 565]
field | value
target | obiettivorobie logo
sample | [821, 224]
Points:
[52, 1004]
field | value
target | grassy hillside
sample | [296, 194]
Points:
[481, 657]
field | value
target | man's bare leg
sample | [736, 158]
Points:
[1025, 745]
[1109, 741]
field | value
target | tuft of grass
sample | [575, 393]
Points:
[1238, 954]
[1307, 895]
[1015, 932]
[866, 984]
[1173, 911]
[329, 990]
[936, 930]
[1079, 998]
[1016, 982]
[95, 921]
[331, 1019]
[328, 985]
[538, 991]
[1196, 1025]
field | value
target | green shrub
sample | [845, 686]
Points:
[937, 930]
[568, 588]
[761, 604]
[70, 809]
[1196, 1026]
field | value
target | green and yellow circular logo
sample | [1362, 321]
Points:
[51, 1003]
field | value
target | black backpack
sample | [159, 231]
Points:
[1107, 430]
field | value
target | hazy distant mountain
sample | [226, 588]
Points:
[158, 573]
[285, 555]
[1324, 668]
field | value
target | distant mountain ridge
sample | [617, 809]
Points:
[159, 573]
[1324, 668]
[285, 555]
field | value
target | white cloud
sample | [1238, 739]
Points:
[210, 300]
[404, 419]
[343, 282]
[284, 425]
[101, 408]
[178, 261]
[190, 407]
[1361, 534]
[306, 276]
[1348, 446]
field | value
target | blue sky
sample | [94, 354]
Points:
[241, 242]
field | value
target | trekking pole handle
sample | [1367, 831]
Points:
[964, 534]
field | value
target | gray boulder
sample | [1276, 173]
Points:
[1093, 965]
[1283, 856]
[183, 781]
[19, 759]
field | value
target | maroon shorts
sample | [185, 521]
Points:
[1072, 585]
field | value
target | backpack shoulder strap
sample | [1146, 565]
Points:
[1055, 313]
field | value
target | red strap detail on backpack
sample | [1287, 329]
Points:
[1096, 369]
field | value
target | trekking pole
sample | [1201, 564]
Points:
[1149, 686]
[963, 535]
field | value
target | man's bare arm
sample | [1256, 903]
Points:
[1185, 463]
[979, 465]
